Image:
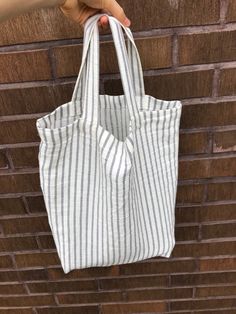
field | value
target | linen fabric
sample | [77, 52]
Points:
[108, 165]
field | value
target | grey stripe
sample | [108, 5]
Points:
[114, 116]
[62, 203]
[125, 210]
[142, 220]
[120, 122]
[117, 199]
[70, 207]
[150, 186]
[51, 201]
[142, 193]
[112, 205]
[76, 209]
[163, 203]
[160, 201]
[165, 169]
[133, 236]
[175, 156]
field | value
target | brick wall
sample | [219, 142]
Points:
[188, 53]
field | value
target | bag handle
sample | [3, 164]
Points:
[80, 82]
[91, 100]
[134, 60]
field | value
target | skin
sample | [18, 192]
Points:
[77, 10]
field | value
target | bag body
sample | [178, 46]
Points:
[108, 165]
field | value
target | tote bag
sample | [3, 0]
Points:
[108, 165]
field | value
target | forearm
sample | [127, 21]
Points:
[11, 8]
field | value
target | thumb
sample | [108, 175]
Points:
[117, 11]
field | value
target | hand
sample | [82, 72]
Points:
[80, 10]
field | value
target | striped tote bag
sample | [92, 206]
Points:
[108, 165]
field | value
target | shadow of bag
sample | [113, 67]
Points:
[108, 165]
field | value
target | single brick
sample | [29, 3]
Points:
[18, 244]
[90, 297]
[157, 267]
[227, 82]
[69, 310]
[11, 206]
[191, 193]
[24, 66]
[24, 157]
[160, 294]
[62, 286]
[221, 191]
[34, 99]
[33, 275]
[20, 183]
[9, 289]
[209, 278]
[36, 204]
[26, 300]
[3, 159]
[207, 167]
[204, 249]
[188, 233]
[134, 282]
[68, 60]
[36, 259]
[198, 214]
[6, 262]
[47, 242]
[216, 264]
[224, 141]
[18, 131]
[208, 114]
[207, 47]
[57, 273]
[137, 307]
[203, 304]
[216, 231]
[193, 143]
[231, 12]
[203, 292]
[17, 311]
[25, 225]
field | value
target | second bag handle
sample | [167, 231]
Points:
[133, 59]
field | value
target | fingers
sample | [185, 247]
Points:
[80, 10]
[117, 11]
[104, 22]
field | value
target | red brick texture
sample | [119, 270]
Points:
[188, 52]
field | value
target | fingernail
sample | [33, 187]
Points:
[127, 22]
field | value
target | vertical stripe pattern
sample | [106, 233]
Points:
[110, 183]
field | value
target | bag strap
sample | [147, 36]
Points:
[136, 66]
[91, 93]
[78, 93]
[134, 59]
